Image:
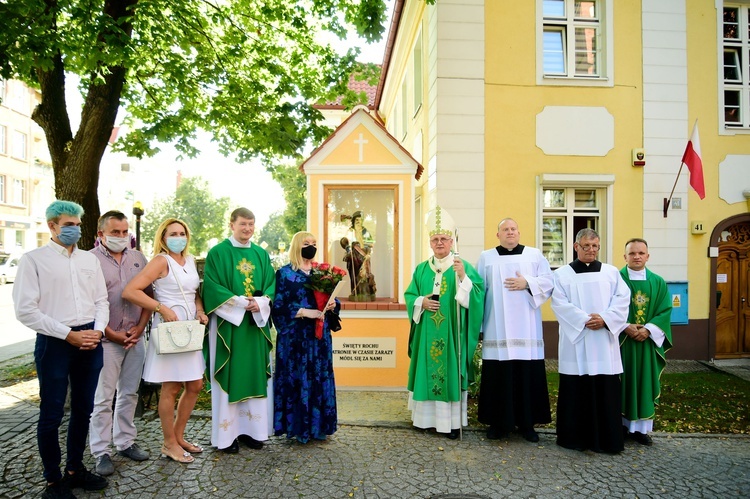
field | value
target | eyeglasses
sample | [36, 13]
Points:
[589, 247]
[441, 240]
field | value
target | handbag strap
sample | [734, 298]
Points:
[187, 306]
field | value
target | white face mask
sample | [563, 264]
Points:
[116, 244]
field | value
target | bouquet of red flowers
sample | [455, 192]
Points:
[324, 278]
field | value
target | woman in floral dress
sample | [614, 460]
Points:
[304, 387]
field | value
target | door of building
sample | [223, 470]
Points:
[733, 292]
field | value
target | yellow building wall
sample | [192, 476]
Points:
[703, 103]
[376, 154]
[513, 101]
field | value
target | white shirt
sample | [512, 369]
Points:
[55, 291]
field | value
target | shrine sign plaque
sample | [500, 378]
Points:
[364, 352]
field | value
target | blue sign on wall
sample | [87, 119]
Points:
[678, 291]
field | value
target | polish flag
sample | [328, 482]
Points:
[692, 158]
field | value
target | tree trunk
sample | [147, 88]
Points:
[76, 160]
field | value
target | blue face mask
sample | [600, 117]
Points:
[69, 234]
[176, 244]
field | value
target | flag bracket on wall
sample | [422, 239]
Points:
[692, 158]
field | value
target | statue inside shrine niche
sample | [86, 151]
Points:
[358, 246]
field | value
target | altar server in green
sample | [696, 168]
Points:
[644, 342]
[440, 287]
[238, 288]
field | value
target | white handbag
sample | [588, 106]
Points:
[179, 336]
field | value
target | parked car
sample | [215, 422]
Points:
[8, 267]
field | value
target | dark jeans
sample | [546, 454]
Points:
[56, 362]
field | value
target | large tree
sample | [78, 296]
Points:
[273, 233]
[247, 71]
[207, 217]
[294, 184]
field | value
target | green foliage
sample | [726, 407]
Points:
[273, 233]
[294, 184]
[206, 216]
[248, 72]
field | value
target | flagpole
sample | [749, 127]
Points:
[668, 200]
[458, 347]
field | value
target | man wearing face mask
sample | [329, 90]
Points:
[124, 352]
[61, 294]
[238, 287]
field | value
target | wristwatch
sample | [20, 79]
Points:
[158, 307]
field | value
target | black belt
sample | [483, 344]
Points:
[82, 327]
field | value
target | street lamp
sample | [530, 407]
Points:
[138, 212]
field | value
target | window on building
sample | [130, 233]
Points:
[3, 139]
[573, 39]
[41, 239]
[418, 80]
[19, 145]
[736, 52]
[19, 238]
[565, 211]
[19, 192]
[2, 189]
[404, 114]
[3, 85]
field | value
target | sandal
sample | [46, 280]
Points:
[181, 457]
[192, 448]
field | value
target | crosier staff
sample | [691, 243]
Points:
[458, 344]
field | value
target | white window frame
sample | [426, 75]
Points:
[418, 72]
[17, 151]
[605, 63]
[19, 192]
[605, 183]
[3, 139]
[404, 107]
[739, 50]
[2, 188]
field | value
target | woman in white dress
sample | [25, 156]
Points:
[174, 371]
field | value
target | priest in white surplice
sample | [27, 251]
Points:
[591, 302]
[513, 392]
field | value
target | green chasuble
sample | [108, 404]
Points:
[242, 366]
[642, 361]
[432, 343]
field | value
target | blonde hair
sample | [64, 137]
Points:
[160, 245]
[295, 248]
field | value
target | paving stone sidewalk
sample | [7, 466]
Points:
[377, 454]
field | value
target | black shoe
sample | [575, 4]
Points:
[494, 434]
[453, 435]
[84, 479]
[642, 438]
[232, 449]
[530, 435]
[250, 442]
[57, 490]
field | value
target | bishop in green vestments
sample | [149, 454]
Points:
[437, 390]
[238, 287]
[644, 342]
